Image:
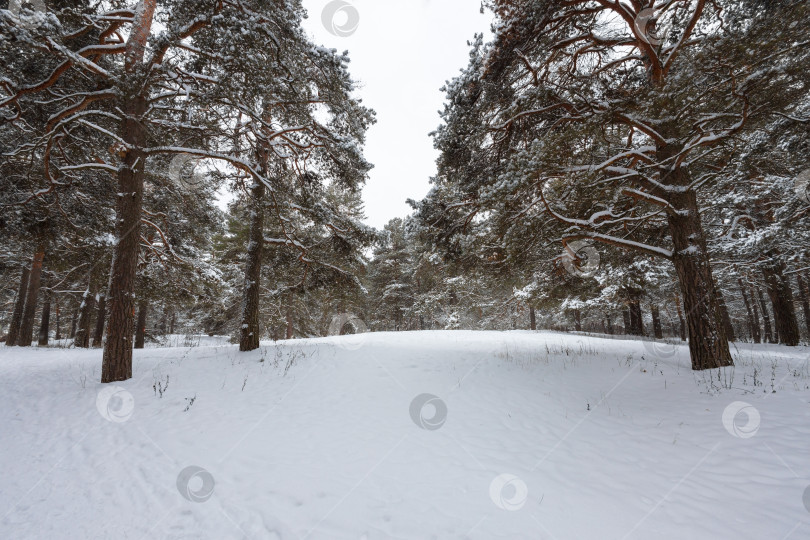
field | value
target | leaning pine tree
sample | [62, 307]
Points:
[616, 119]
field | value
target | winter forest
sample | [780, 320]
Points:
[594, 323]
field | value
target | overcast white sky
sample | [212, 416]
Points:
[402, 53]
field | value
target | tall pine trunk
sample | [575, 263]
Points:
[626, 317]
[729, 328]
[769, 337]
[578, 320]
[681, 321]
[753, 325]
[532, 319]
[117, 364]
[804, 296]
[250, 332]
[636, 320]
[85, 316]
[29, 313]
[658, 332]
[140, 329]
[58, 335]
[784, 310]
[44, 327]
[708, 343]
[19, 306]
[98, 335]
[73, 321]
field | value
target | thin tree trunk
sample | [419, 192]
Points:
[577, 320]
[636, 318]
[173, 322]
[44, 327]
[658, 332]
[290, 325]
[532, 318]
[58, 335]
[73, 321]
[755, 309]
[729, 328]
[626, 316]
[117, 363]
[85, 315]
[19, 307]
[609, 323]
[804, 296]
[784, 310]
[752, 326]
[765, 317]
[708, 343]
[140, 328]
[98, 335]
[29, 313]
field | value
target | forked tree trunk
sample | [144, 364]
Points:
[769, 337]
[784, 310]
[19, 306]
[804, 296]
[85, 315]
[140, 329]
[117, 364]
[98, 335]
[44, 327]
[753, 325]
[29, 313]
[708, 343]
[658, 332]
[250, 331]
[532, 318]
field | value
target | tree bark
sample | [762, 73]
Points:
[58, 335]
[73, 321]
[769, 338]
[753, 325]
[29, 313]
[117, 363]
[577, 320]
[82, 338]
[626, 316]
[98, 335]
[532, 318]
[609, 324]
[708, 343]
[729, 328]
[804, 296]
[250, 331]
[44, 327]
[636, 318]
[784, 310]
[682, 322]
[19, 307]
[290, 333]
[140, 330]
[658, 332]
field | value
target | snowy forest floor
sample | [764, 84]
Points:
[529, 435]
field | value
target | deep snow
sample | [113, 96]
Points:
[522, 435]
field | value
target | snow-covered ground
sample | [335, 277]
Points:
[413, 435]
